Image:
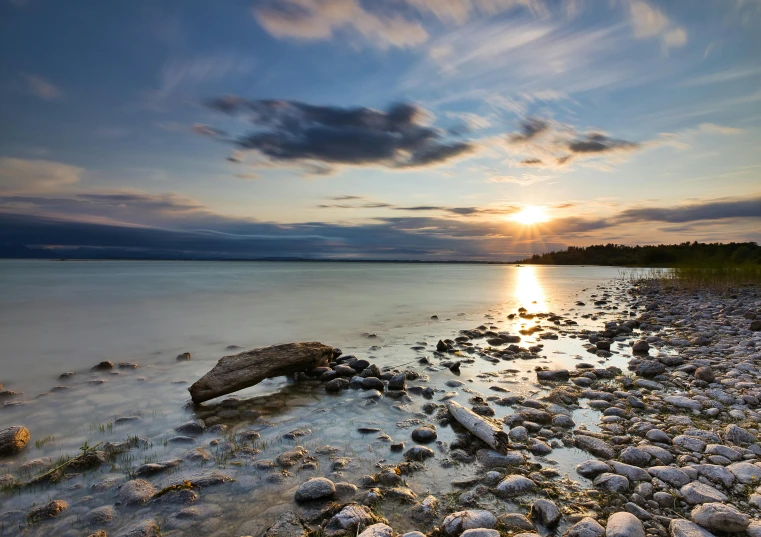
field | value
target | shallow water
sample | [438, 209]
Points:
[57, 317]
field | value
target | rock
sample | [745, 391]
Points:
[515, 485]
[558, 375]
[680, 401]
[144, 528]
[656, 435]
[634, 456]
[103, 366]
[135, 492]
[697, 492]
[755, 326]
[595, 446]
[183, 357]
[233, 373]
[624, 525]
[586, 527]
[397, 382]
[480, 532]
[668, 474]
[632, 473]
[13, 439]
[377, 530]
[745, 472]
[100, 516]
[418, 453]
[424, 512]
[488, 458]
[705, 374]
[720, 517]
[424, 435]
[372, 383]
[592, 468]
[612, 483]
[350, 520]
[336, 385]
[518, 434]
[514, 522]
[315, 489]
[738, 435]
[689, 443]
[458, 522]
[684, 528]
[192, 427]
[640, 347]
[547, 512]
[51, 510]
[288, 524]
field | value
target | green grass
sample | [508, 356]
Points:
[722, 278]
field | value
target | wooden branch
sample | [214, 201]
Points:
[233, 373]
[495, 437]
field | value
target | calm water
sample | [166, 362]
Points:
[57, 317]
[68, 316]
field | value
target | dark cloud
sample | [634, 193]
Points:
[369, 205]
[530, 128]
[207, 130]
[293, 131]
[345, 198]
[599, 143]
[532, 162]
[712, 210]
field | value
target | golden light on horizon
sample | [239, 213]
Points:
[530, 215]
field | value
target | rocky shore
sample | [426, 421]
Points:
[670, 378]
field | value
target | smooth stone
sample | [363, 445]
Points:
[135, 492]
[673, 476]
[612, 483]
[592, 468]
[315, 489]
[720, 517]
[684, 528]
[458, 522]
[547, 512]
[586, 527]
[745, 472]
[697, 492]
[624, 525]
[377, 530]
[515, 485]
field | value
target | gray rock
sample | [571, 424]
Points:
[518, 434]
[595, 446]
[632, 473]
[515, 522]
[720, 517]
[745, 472]
[684, 528]
[586, 527]
[592, 468]
[716, 473]
[690, 443]
[611, 483]
[135, 492]
[641, 346]
[288, 524]
[377, 530]
[397, 382]
[480, 532]
[738, 435]
[724, 451]
[100, 516]
[458, 522]
[418, 453]
[316, 488]
[425, 434]
[492, 459]
[696, 493]
[547, 512]
[668, 474]
[352, 519]
[705, 374]
[424, 512]
[50, 510]
[680, 401]
[624, 525]
[635, 457]
[515, 485]
[656, 435]
[144, 528]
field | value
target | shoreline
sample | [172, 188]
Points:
[663, 408]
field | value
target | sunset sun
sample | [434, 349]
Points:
[530, 215]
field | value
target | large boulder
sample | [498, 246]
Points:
[624, 525]
[720, 517]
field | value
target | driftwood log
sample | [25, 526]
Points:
[494, 436]
[233, 373]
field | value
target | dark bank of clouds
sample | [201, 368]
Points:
[173, 226]
[297, 132]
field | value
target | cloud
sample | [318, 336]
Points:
[526, 179]
[600, 143]
[313, 20]
[179, 73]
[292, 132]
[206, 130]
[345, 198]
[33, 175]
[529, 129]
[648, 22]
[460, 11]
[531, 162]
[41, 87]
[718, 77]
[719, 209]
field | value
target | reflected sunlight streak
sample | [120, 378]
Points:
[528, 289]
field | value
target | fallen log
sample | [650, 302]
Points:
[494, 436]
[239, 371]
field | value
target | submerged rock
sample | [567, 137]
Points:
[315, 489]
[13, 439]
[460, 521]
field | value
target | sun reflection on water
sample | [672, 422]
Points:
[528, 290]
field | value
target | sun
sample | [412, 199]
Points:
[530, 215]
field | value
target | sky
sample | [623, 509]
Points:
[386, 129]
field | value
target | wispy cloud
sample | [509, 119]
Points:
[41, 87]
[186, 73]
[649, 21]
[34, 175]
[718, 77]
